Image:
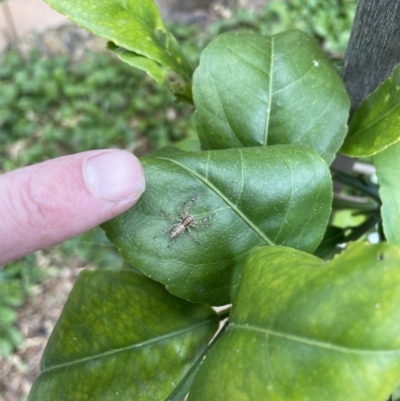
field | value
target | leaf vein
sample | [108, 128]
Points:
[224, 198]
[160, 338]
[310, 342]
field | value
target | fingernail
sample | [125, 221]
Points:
[114, 176]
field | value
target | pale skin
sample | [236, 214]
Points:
[47, 203]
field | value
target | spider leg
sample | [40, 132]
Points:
[164, 214]
[185, 207]
[166, 229]
[199, 226]
[191, 234]
[197, 222]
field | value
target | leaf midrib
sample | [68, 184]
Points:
[269, 106]
[225, 199]
[129, 347]
[307, 341]
[375, 121]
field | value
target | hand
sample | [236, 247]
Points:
[47, 203]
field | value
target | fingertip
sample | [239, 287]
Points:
[114, 176]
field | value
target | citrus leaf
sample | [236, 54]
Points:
[376, 123]
[387, 165]
[254, 90]
[161, 74]
[121, 337]
[155, 70]
[245, 198]
[304, 329]
[137, 32]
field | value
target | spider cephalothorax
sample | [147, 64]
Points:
[185, 220]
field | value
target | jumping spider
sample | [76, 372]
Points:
[186, 222]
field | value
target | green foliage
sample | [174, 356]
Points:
[378, 112]
[253, 90]
[52, 107]
[235, 218]
[226, 186]
[387, 165]
[318, 327]
[328, 21]
[119, 325]
[140, 38]
[17, 281]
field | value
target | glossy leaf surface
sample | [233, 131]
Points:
[252, 196]
[137, 33]
[122, 337]
[304, 329]
[387, 165]
[376, 123]
[254, 90]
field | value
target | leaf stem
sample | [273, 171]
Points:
[370, 190]
[357, 232]
[184, 385]
[356, 203]
[224, 313]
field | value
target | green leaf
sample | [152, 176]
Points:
[253, 196]
[5, 347]
[183, 388]
[304, 329]
[156, 71]
[387, 165]
[137, 33]
[12, 335]
[121, 337]
[254, 90]
[7, 315]
[174, 83]
[376, 123]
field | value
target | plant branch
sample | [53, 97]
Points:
[370, 190]
[359, 231]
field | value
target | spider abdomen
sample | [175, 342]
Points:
[180, 228]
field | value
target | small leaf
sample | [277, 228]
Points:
[121, 337]
[254, 90]
[376, 123]
[174, 83]
[155, 70]
[7, 315]
[137, 31]
[303, 329]
[387, 165]
[246, 197]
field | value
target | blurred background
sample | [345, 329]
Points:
[61, 92]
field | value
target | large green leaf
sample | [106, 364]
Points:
[376, 123]
[303, 329]
[121, 337]
[256, 196]
[387, 165]
[137, 33]
[254, 90]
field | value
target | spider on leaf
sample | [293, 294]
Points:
[185, 221]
